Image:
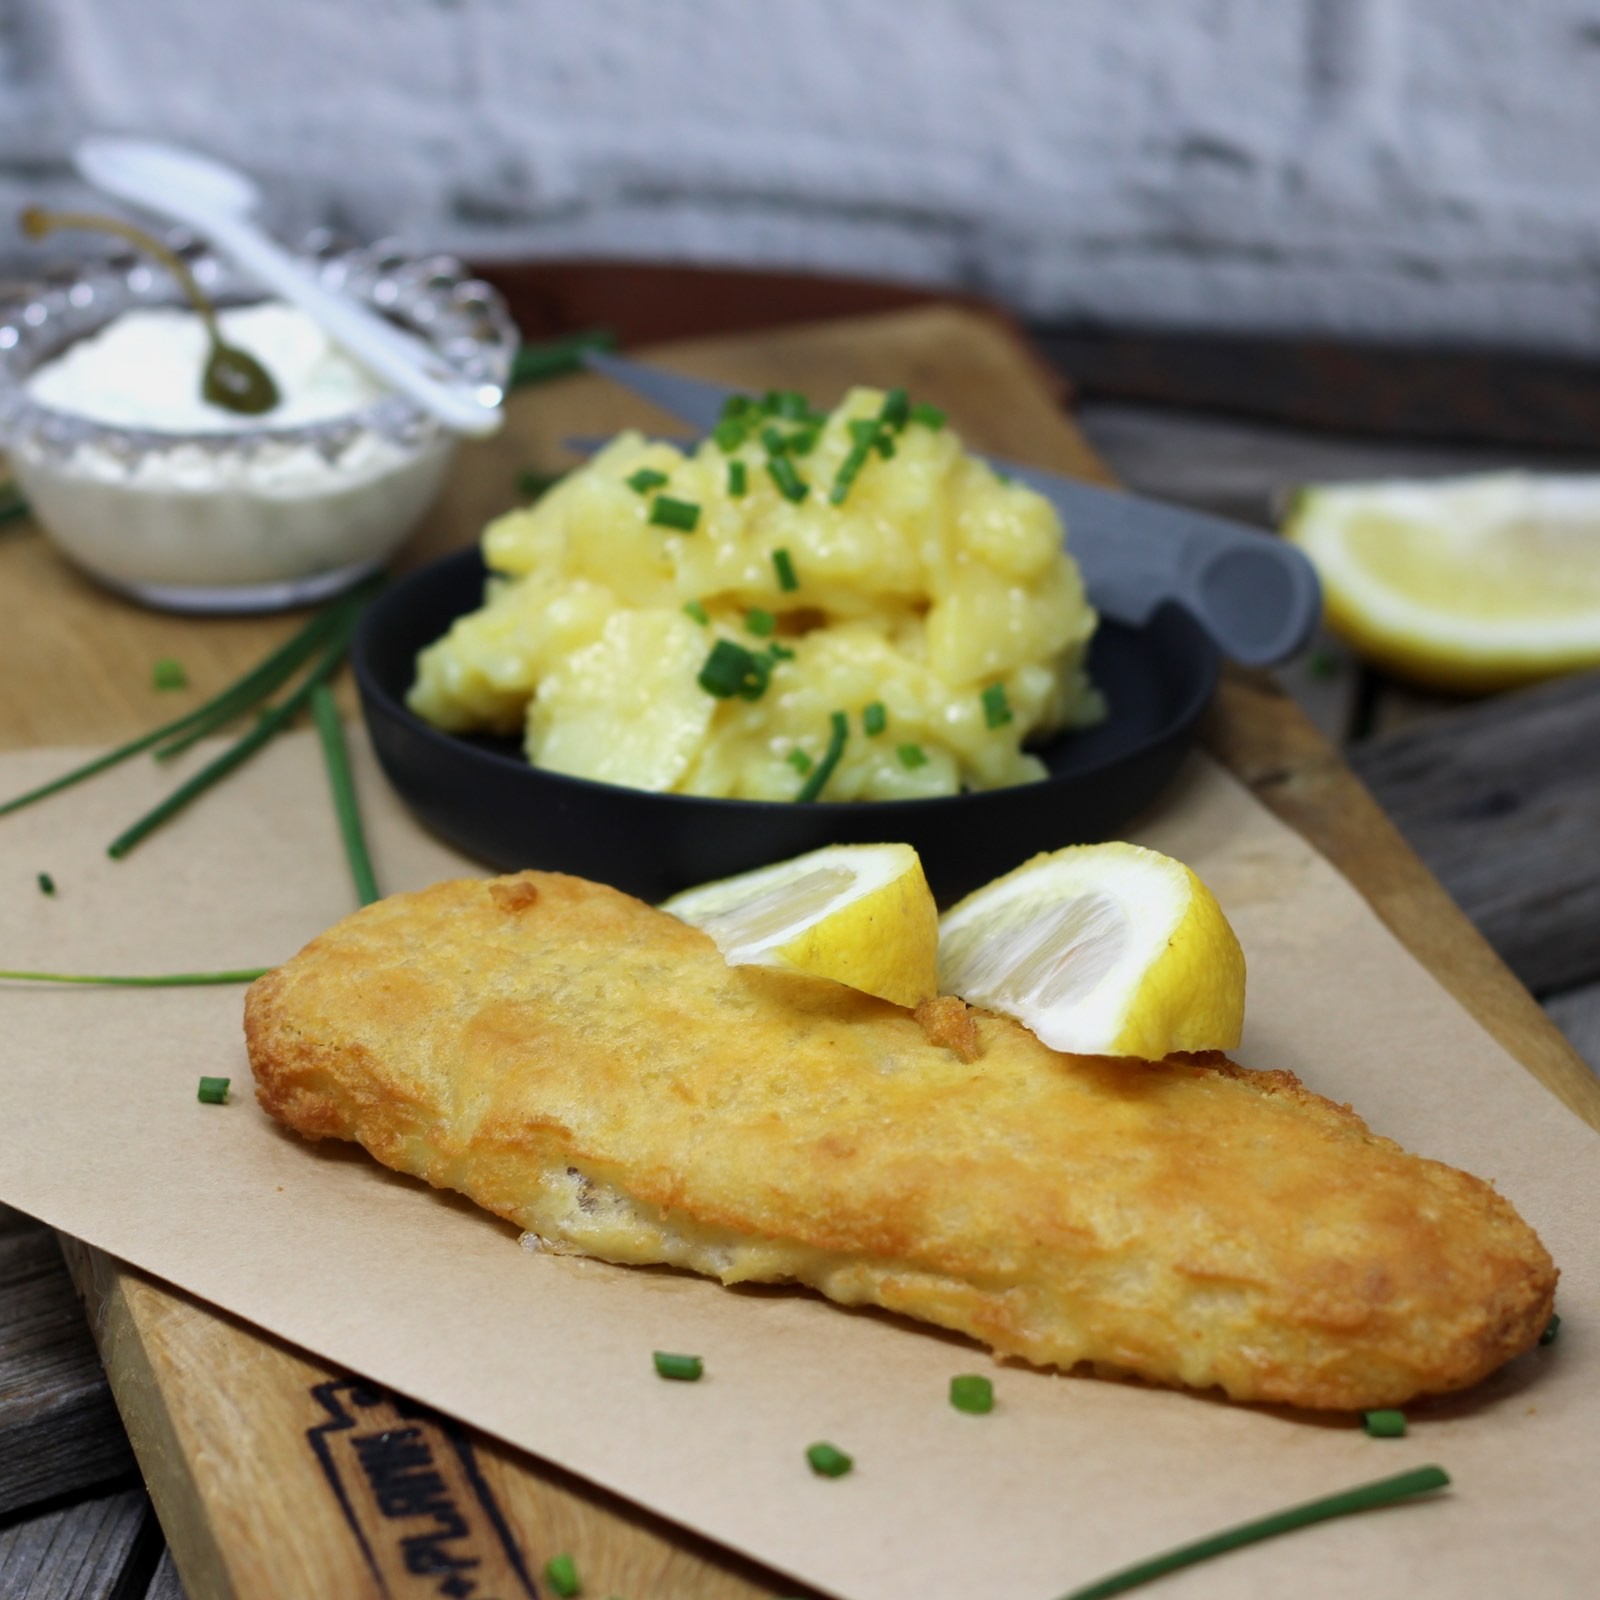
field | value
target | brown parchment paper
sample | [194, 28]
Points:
[101, 1135]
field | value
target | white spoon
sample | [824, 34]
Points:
[216, 201]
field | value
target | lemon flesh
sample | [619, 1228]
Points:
[1469, 584]
[860, 914]
[1106, 949]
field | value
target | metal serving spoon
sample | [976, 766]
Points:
[1257, 597]
[216, 201]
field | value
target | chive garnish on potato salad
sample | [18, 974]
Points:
[840, 562]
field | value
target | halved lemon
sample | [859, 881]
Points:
[1466, 584]
[1100, 949]
[861, 914]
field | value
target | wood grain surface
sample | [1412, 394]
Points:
[275, 1476]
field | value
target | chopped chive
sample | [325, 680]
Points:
[865, 431]
[830, 758]
[761, 623]
[561, 1573]
[896, 408]
[1551, 1329]
[929, 416]
[729, 434]
[996, 712]
[686, 1369]
[803, 442]
[213, 1091]
[345, 806]
[783, 565]
[738, 479]
[222, 707]
[799, 760]
[164, 980]
[732, 670]
[780, 652]
[665, 512]
[534, 483]
[790, 484]
[874, 719]
[912, 756]
[1384, 1424]
[1365, 1498]
[553, 358]
[972, 1393]
[645, 479]
[47, 884]
[828, 1461]
[168, 673]
[737, 406]
[885, 446]
[694, 609]
[269, 723]
[776, 441]
[791, 405]
[846, 475]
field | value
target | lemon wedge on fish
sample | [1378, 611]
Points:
[861, 914]
[1468, 584]
[1101, 949]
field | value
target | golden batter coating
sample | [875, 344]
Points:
[592, 1070]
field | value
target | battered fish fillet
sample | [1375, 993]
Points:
[592, 1070]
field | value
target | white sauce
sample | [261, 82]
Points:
[144, 369]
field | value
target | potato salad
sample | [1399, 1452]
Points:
[842, 606]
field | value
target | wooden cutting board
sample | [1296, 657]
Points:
[276, 1476]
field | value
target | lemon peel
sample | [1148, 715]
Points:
[1469, 584]
[860, 914]
[1104, 949]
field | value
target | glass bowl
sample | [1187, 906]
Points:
[260, 517]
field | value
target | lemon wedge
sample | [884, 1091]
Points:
[1100, 949]
[1468, 584]
[861, 914]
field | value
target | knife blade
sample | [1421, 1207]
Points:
[1257, 597]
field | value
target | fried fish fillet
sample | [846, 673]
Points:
[592, 1070]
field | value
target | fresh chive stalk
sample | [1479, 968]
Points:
[830, 758]
[685, 1369]
[267, 725]
[554, 358]
[162, 980]
[1367, 1497]
[331, 733]
[213, 1091]
[224, 706]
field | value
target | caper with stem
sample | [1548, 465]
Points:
[232, 378]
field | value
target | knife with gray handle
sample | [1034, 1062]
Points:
[1257, 597]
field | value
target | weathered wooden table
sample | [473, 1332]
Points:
[1499, 797]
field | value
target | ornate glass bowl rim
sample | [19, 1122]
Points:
[462, 318]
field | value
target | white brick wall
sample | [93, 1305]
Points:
[1409, 168]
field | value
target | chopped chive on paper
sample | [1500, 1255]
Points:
[972, 1393]
[1384, 1424]
[168, 673]
[683, 515]
[828, 1461]
[561, 1573]
[874, 719]
[47, 884]
[645, 479]
[213, 1091]
[1551, 1329]
[685, 1369]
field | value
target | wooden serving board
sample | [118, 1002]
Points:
[274, 1475]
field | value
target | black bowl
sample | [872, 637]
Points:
[481, 795]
